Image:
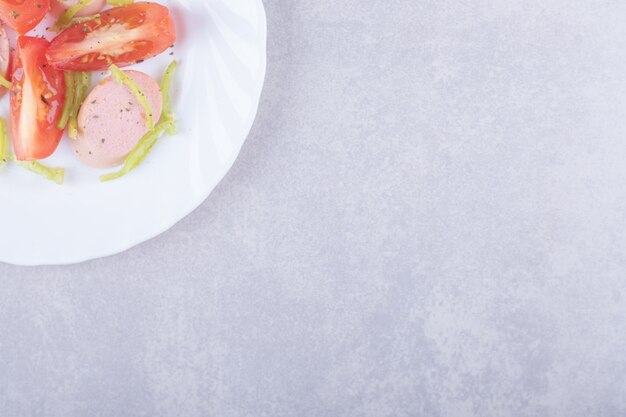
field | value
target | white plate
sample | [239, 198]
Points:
[221, 54]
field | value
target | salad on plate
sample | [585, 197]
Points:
[115, 123]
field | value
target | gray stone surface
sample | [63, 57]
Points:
[427, 220]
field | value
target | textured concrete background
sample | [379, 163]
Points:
[428, 219]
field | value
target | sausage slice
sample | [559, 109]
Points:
[5, 57]
[111, 121]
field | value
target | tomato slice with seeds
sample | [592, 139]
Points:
[23, 15]
[121, 36]
[37, 96]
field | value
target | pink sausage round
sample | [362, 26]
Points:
[59, 6]
[111, 121]
[5, 56]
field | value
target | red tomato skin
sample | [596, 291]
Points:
[23, 15]
[36, 136]
[146, 30]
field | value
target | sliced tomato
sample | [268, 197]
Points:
[37, 97]
[23, 15]
[121, 36]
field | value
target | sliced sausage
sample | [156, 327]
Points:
[111, 120]
[5, 56]
[59, 6]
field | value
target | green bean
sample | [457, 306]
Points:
[68, 105]
[68, 15]
[76, 86]
[4, 82]
[166, 83]
[82, 85]
[84, 82]
[53, 174]
[166, 87]
[119, 2]
[140, 151]
[72, 128]
[123, 78]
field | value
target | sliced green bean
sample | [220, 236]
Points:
[4, 82]
[76, 86]
[72, 128]
[83, 82]
[70, 96]
[84, 79]
[123, 78]
[166, 83]
[140, 151]
[53, 174]
[166, 91]
[66, 18]
[119, 2]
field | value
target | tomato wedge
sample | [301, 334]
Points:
[37, 97]
[121, 36]
[23, 15]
